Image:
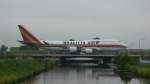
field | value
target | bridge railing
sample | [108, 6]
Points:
[53, 55]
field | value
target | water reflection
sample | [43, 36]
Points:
[78, 75]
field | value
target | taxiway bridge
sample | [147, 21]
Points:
[66, 57]
[69, 55]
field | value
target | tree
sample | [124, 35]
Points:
[3, 48]
[28, 48]
[71, 39]
[121, 59]
[96, 38]
[122, 68]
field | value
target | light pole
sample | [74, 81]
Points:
[140, 41]
[140, 47]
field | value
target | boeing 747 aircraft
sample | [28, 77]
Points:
[72, 45]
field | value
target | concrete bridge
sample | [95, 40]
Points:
[95, 58]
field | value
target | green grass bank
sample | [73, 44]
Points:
[141, 70]
[12, 71]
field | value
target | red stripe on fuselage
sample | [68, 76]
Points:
[114, 46]
[100, 46]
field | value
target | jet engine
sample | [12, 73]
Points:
[73, 49]
[88, 50]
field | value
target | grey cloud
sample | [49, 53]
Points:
[127, 20]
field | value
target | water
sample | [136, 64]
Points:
[78, 75]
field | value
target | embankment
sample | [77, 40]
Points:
[141, 70]
[12, 71]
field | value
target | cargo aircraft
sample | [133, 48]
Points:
[86, 46]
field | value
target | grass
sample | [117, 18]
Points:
[12, 71]
[141, 70]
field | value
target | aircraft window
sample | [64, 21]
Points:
[94, 42]
[73, 42]
[97, 42]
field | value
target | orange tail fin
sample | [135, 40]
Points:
[28, 37]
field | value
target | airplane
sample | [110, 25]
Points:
[86, 46]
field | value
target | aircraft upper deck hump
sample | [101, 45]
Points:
[27, 36]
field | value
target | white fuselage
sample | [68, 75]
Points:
[88, 44]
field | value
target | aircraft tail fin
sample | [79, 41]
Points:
[28, 38]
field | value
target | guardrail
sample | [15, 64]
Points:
[67, 55]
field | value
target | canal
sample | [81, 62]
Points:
[81, 74]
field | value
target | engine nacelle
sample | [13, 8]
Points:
[88, 50]
[73, 49]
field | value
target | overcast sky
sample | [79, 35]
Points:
[125, 20]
